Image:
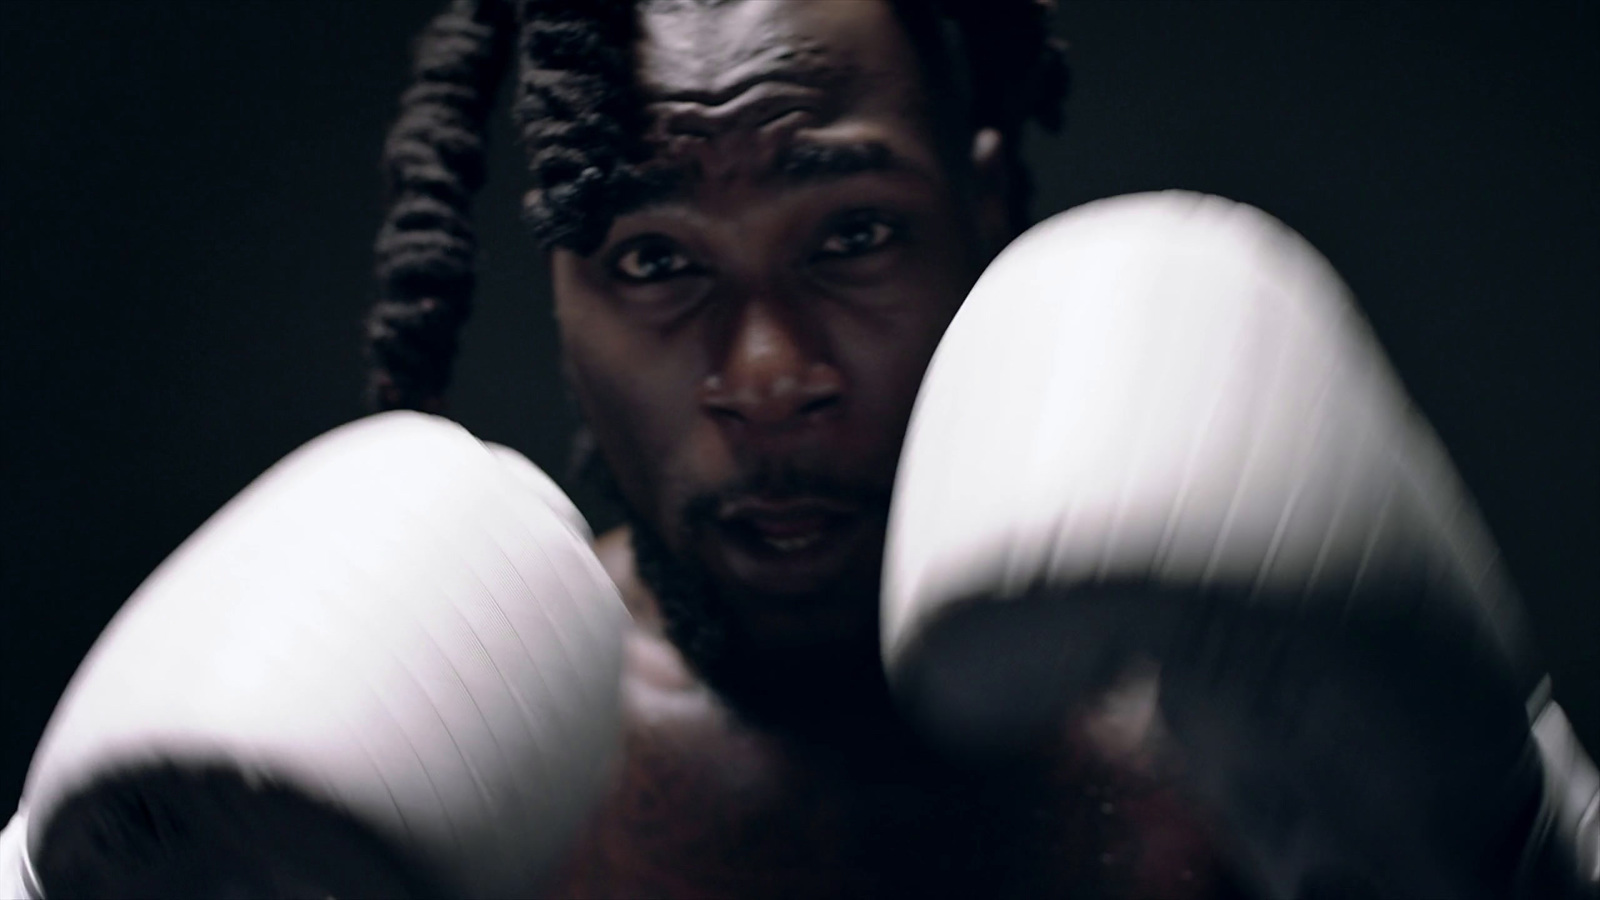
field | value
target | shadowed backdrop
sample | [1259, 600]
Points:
[189, 192]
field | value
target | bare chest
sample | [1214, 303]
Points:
[705, 811]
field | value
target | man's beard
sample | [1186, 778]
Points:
[818, 692]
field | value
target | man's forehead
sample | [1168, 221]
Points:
[710, 52]
[777, 92]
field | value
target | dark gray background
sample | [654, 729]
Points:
[188, 193]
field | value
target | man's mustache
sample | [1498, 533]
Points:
[780, 481]
[768, 479]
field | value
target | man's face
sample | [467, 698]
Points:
[746, 351]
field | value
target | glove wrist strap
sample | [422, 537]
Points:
[1561, 858]
[17, 878]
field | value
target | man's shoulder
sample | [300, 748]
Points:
[615, 552]
[662, 694]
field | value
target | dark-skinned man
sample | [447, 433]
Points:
[762, 219]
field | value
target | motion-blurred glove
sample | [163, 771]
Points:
[1159, 429]
[390, 667]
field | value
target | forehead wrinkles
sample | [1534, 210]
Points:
[694, 51]
[727, 84]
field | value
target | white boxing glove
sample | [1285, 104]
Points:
[1159, 430]
[389, 667]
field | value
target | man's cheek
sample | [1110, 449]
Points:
[661, 455]
[898, 378]
[613, 421]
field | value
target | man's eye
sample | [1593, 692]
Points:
[857, 236]
[650, 260]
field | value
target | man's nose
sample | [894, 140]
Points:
[774, 372]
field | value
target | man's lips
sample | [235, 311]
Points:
[788, 524]
[790, 544]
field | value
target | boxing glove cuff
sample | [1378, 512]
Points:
[17, 878]
[1562, 856]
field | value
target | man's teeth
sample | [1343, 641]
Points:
[791, 544]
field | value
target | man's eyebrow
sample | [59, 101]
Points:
[809, 163]
[799, 164]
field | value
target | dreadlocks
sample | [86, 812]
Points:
[580, 123]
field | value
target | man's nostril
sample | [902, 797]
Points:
[819, 404]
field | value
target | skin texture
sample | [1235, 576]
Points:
[759, 336]
[770, 358]
[707, 806]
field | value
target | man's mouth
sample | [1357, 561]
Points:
[788, 545]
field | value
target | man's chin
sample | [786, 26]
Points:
[781, 657]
